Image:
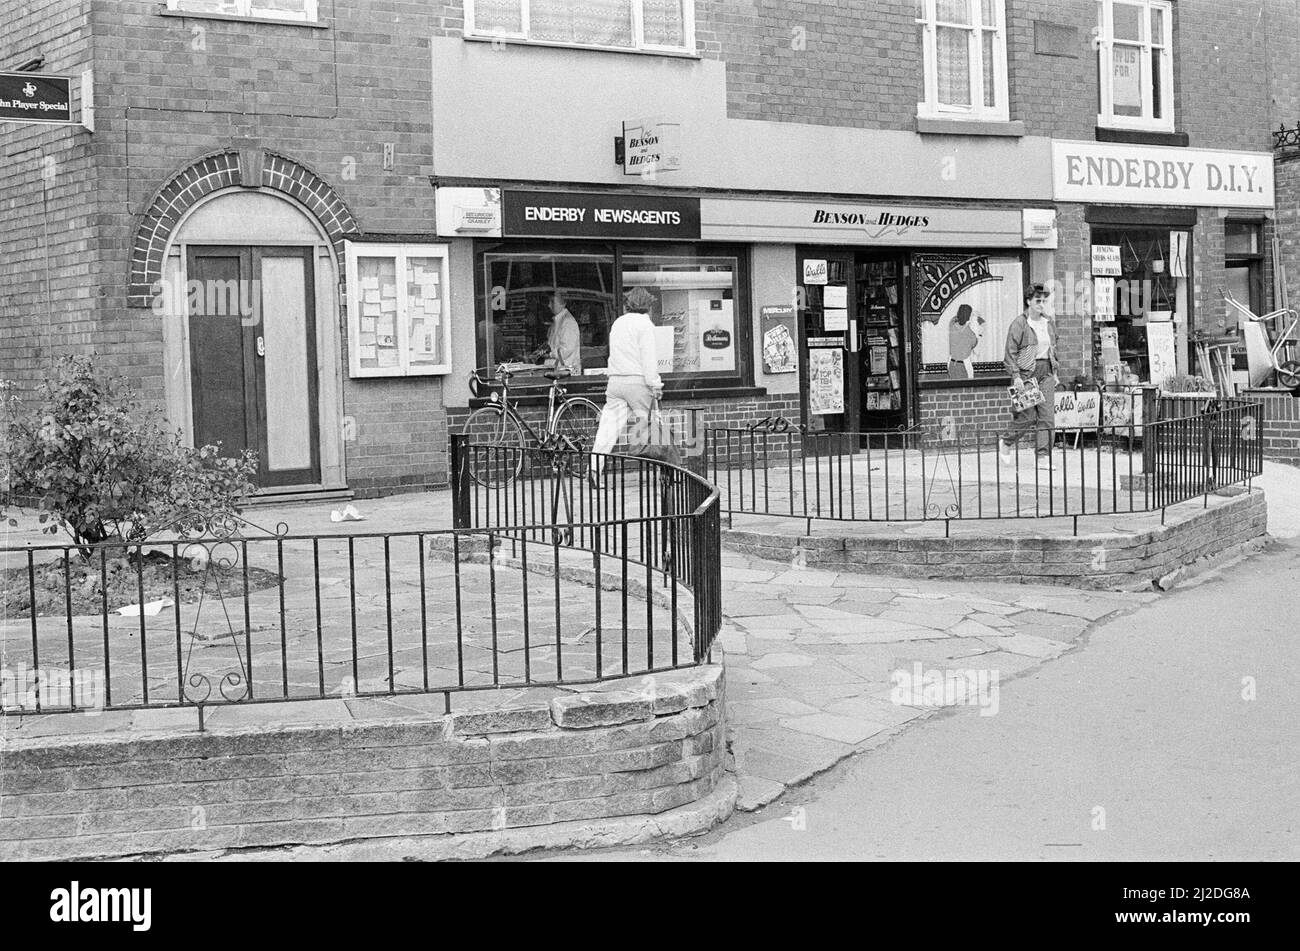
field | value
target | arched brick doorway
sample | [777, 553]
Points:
[240, 253]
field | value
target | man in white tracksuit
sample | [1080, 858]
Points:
[634, 381]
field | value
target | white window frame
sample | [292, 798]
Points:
[638, 31]
[1105, 67]
[929, 22]
[400, 254]
[310, 14]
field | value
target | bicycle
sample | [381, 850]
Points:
[571, 424]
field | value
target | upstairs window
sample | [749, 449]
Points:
[651, 25]
[1136, 64]
[299, 11]
[965, 50]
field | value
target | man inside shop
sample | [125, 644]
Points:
[564, 341]
[1030, 356]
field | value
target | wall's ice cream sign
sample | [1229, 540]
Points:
[1155, 175]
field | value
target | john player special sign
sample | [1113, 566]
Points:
[31, 97]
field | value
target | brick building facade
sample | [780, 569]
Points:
[246, 147]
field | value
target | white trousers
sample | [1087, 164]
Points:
[622, 399]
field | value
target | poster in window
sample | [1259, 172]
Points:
[825, 381]
[1103, 296]
[966, 305]
[816, 272]
[1160, 351]
[1126, 89]
[1179, 244]
[1106, 261]
[835, 320]
[717, 327]
[1110, 359]
[780, 331]
[665, 348]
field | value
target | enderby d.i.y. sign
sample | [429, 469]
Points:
[33, 97]
[529, 214]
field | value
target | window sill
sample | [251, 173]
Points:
[1142, 137]
[724, 390]
[515, 41]
[989, 127]
[228, 18]
[979, 381]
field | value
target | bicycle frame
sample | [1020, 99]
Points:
[555, 400]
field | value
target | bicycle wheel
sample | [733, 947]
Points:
[496, 447]
[1288, 374]
[577, 420]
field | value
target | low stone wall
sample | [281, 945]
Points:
[316, 773]
[1104, 561]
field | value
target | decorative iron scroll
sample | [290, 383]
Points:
[214, 546]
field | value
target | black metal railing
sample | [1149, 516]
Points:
[1285, 138]
[228, 613]
[954, 473]
[637, 511]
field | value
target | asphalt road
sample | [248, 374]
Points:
[1141, 744]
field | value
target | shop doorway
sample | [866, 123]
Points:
[253, 363]
[854, 324]
[827, 338]
[884, 357]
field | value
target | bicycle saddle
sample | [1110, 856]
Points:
[557, 374]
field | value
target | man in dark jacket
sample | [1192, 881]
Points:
[1031, 355]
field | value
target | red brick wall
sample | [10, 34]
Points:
[964, 412]
[1103, 561]
[49, 248]
[590, 756]
[1281, 425]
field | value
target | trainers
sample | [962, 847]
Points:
[1045, 461]
[1004, 452]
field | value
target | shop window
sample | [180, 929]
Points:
[965, 305]
[695, 307]
[652, 25]
[965, 51]
[1150, 289]
[398, 312]
[523, 294]
[1135, 64]
[694, 310]
[297, 10]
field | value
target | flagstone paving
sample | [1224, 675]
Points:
[809, 666]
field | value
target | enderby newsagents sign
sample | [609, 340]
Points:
[32, 97]
[576, 215]
[1094, 172]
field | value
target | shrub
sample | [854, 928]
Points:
[97, 465]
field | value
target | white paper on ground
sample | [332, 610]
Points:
[151, 608]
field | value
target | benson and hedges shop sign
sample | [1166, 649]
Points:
[805, 222]
[530, 214]
[1103, 173]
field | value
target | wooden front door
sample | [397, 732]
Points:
[254, 376]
